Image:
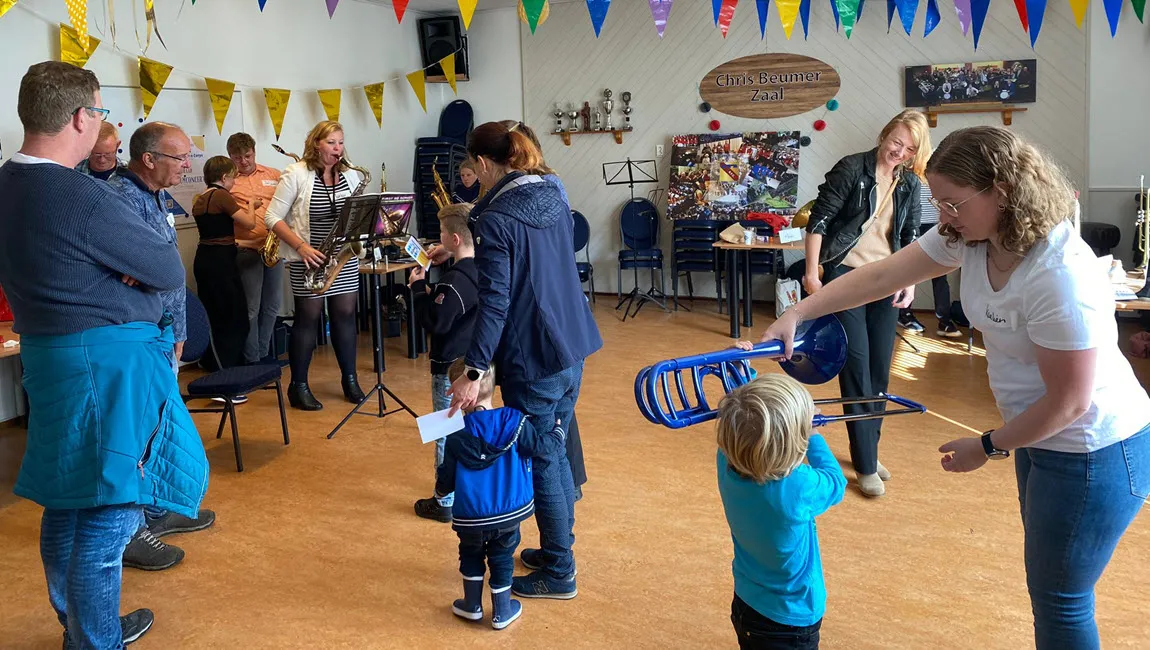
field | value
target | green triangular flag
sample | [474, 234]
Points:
[848, 12]
[534, 9]
[1139, 7]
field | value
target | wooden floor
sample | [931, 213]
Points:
[316, 545]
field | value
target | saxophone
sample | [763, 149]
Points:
[271, 247]
[439, 195]
[336, 248]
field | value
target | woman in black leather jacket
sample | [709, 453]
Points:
[867, 209]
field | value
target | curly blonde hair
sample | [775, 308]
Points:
[1037, 194]
[318, 133]
[765, 426]
[916, 123]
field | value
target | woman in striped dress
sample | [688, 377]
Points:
[303, 211]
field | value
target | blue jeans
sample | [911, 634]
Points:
[497, 546]
[1075, 508]
[81, 551]
[439, 401]
[545, 401]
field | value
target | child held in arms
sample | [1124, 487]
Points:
[447, 311]
[488, 467]
[771, 499]
[467, 190]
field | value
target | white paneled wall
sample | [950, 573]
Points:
[565, 62]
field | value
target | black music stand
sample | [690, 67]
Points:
[631, 173]
[362, 229]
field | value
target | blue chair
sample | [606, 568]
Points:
[693, 251]
[228, 383]
[639, 227]
[582, 243]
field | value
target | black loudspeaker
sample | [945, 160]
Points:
[439, 36]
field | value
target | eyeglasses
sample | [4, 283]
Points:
[184, 158]
[951, 209]
[102, 112]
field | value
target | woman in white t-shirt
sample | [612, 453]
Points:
[1076, 418]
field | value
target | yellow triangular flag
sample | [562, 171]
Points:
[78, 13]
[417, 81]
[788, 11]
[374, 94]
[466, 11]
[220, 93]
[153, 76]
[277, 100]
[448, 65]
[70, 49]
[1079, 9]
[5, 5]
[330, 101]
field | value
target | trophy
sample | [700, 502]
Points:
[573, 115]
[607, 106]
[626, 96]
[558, 113]
[598, 120]
[586, 115]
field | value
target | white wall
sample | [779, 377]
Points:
[496, 92]
[565, 62]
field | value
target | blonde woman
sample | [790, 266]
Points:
[302, 212]
[1074, 415]
[867, 209]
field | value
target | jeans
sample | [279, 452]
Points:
[498, 546]
[757, 632]
[1075, 508]
[81, 551]
[439, 401]
[263, 291]
[545, 401]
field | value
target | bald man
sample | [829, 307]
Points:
[103, 161]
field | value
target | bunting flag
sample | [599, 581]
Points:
[533, 9]
[70, 49]
[858, 14]
[978, 9]
[890, 11]
[466, 11]
[726, 15]
[763, 8]
[1139, 8]
[331, 5]
[374, 94]
[848, 13]
[1077, 6]
[150, 14]
[661, 10]
[598, 10]
[835, 11]
[906, 12]
[1113, 11]
[262, 3]
[419, 85]
[153, 76]
[716, 8]
[277, 101]
[400, 7]
[788, 11]
[330, 100]
[448, 65]
[1020, 6]
[5, 5]
[962, 8]
[933, 17]
[805, 16]
[220, 93]
[78, 14]
[1035, 9]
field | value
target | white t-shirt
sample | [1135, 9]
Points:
[1059, 298]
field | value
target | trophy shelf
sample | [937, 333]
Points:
[1007, 111]
[566, 135]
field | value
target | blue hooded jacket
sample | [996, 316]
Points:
[533, 320]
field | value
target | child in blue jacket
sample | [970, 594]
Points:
[488, 467]
[771, 499]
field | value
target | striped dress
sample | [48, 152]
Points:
[323, 213]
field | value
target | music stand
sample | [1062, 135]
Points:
[363, 229]
[631, 173]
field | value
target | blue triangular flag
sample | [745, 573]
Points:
[1113, 11]
[598, 10]
[262, 3]
[932, 17]
[805, 14]
[1034, 11]
[835, 9]
[717, 6]
[906, 11]
[763, 8]
[978, 9]
[890, 9]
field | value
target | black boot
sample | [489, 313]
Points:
[351, 389]
[300, 397]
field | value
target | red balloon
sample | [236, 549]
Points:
[714, 124]
[820, 125]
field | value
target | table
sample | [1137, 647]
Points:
[7, 334]
[772, 244]
[416, 342]
[13, 401]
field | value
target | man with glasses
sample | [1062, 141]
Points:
[103, 162]
[159, 156]
[107, 431]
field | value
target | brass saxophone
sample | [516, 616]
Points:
[271, 247]
[336, 249]
[439, 195]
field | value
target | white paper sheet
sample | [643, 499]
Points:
[434, 426]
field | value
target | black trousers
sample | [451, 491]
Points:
[757, 632]
[939, 285]
[870, 344]
[219, 288]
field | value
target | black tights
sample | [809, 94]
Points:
[305, 329]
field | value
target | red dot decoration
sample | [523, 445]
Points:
[820, 125]
[120, 125]
[714, 125]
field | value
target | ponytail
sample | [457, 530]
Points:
[522, 154]
[507, 143]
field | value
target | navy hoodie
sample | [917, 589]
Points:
[533, 320]
[488, 466]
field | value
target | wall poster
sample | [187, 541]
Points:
[725, 176]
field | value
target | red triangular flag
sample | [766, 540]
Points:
[725, 14]
[1020, 5]
[400, 7]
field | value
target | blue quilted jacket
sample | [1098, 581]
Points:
[106, 422]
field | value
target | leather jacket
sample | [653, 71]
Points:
[848, 198]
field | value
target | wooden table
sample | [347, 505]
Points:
[733, 253]
[416, 341]
[7, 334]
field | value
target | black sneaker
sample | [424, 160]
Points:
[540, 584]
[532, 558]
[430, 509]
[948, 329]
[172, 523]
[148, 553]
[132, 627]
[909, 323]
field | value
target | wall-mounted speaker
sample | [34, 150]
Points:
[439, 36]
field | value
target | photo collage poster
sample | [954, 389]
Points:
[726, 176]
[1010, 81]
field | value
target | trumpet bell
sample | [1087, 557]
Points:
[820, 351]
[803, 216]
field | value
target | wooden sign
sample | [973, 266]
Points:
[769, 85]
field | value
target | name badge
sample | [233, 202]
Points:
[342, 195]
[271, 183]
[171, 220]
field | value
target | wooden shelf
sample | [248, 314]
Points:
[1007, 111]
[566, 135]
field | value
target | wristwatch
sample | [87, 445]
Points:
[993, 452]
[474, 374]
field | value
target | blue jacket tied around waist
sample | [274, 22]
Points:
[107, 424]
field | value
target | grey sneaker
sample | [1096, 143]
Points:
[172, 523]
[132, 627]
[146, 552]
